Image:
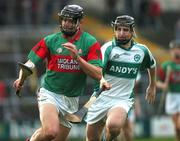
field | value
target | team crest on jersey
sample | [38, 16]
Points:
[137, 57]
[59, 50]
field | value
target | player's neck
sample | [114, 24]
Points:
[128, 45]
[69, 38]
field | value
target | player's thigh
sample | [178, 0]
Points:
[62, 134]
[94, 130]
[116, 117]
[176, 120]
[49, 116]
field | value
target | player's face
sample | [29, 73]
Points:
[123, 33]
[175, 53]
[69, 24]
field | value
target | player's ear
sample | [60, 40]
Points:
[81, 21]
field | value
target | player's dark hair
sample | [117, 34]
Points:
[74, 12]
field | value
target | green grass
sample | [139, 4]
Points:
[138, 139]
[149, 139]
[156, 139]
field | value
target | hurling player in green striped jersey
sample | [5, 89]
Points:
[169, 82]
[122, 59]
[71, 55]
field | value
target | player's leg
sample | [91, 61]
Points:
[94, 131]
[176, 121]
[62, 134]
[128, 130]
[49, 121]
[116, 119]
[172, 108]
[178, 126]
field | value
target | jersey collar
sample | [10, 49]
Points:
[76, 36]
[114, 44]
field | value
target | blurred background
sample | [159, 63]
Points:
[24, 22]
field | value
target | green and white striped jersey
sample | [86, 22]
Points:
[121, 66]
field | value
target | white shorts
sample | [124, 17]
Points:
[172, 103]
[103, 104]
[63, 104]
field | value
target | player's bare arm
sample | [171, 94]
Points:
[164, 85]
[91, 70]
[151, 90]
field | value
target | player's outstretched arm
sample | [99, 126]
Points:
[151, 90]
[164, 85]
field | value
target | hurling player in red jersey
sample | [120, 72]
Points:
[71, 55]
[169, 82]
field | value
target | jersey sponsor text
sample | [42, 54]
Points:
[68, 64]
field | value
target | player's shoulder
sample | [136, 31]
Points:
[88, 40]
[166, 63]
[107, 44]
[88, 36]
[106, 48]
[52, 37]
[140, 45]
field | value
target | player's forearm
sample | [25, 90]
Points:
[152, 76]
[91, 70]
[160, 85]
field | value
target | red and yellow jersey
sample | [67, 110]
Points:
[63, 74]
[174, 80]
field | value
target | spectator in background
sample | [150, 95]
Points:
[3, 91]
[3, 95]
[169, 80]
[143, 13]
[110, 6]
[18, 12]
[48, 11]
[177, 30]
[129, 7]
[3, 12]
[155, 14]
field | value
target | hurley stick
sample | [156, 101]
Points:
[25, 72]
[78, 116]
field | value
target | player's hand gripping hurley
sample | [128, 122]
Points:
[23, 75]
[78, 116]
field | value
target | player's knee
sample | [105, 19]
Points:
[177, 126]
[93, 138]
[113, 130]
[50, 132]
